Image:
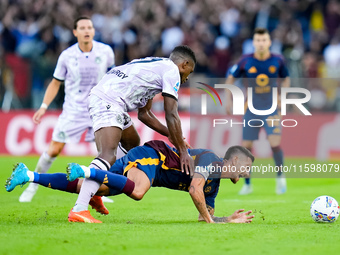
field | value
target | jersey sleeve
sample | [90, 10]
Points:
[283, 70]
[204, 171]
[237, 70]
[210, 198]
[171, 83]
[60, 70]
[204, 164]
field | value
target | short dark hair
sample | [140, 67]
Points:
[77, 19]
[261, 31]
[236, 150]
[182, 52]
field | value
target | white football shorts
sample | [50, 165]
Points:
[104, 114]
[70, 129]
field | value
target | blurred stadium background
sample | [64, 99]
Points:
[307, 33]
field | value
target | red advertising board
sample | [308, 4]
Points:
[313, 136]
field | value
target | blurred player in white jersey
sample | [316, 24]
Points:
[80, 67]
[126, 88]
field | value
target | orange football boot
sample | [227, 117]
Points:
[97, 203]
[82, 216]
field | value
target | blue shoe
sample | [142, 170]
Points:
[18, 177]
[74, 171]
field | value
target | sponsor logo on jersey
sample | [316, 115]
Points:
[98, 60]
[176, 87]
[118, 73]
[252, 70]
[262, 80]
[272, 69]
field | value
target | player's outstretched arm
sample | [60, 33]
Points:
[175, 133]
[50, 94]
[211, 212]
[236, 217]
[146, 116]
[197, 196]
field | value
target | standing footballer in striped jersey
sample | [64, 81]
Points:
[80, 67]
[132, 87]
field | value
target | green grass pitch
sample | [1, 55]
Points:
[165, 221]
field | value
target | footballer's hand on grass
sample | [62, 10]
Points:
[240, 216]
[187, 163]
[37, 115]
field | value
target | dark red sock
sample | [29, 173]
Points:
[129, 187]
[72, 186]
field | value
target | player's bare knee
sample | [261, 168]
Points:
[55, 148]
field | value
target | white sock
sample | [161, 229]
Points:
[87, 171]
[30, 175]
[87, 190]
[89, 187]
[121, 152]
[79, 208]
[44, 163]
